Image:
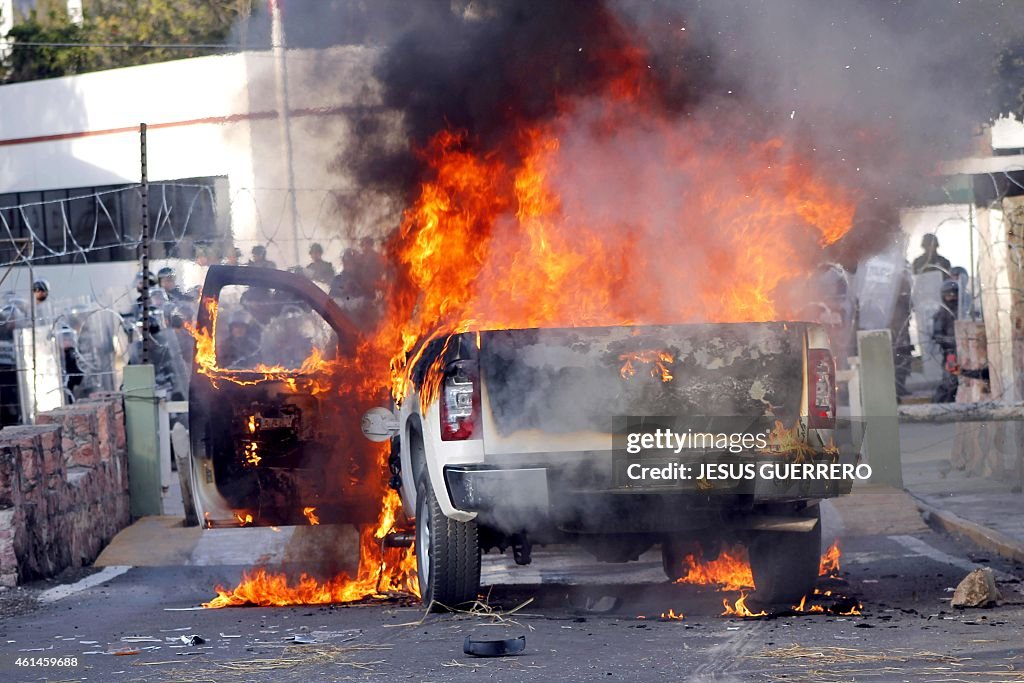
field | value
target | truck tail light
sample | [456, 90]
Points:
[460, 402]
[821, 389]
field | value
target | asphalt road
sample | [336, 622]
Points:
[907, 632]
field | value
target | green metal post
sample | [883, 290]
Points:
[142, 426]
[878, 401]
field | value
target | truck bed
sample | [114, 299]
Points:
[561, 389]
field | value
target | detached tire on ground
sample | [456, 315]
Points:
[447, 554]
[785, 563]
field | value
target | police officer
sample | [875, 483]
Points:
[10, 398]
[944, 335]
[74, 375]
[319, 269]
[259, 258]
[290, 347]
[165, 356]
[241, 349]
[41, 290]
[166, 277]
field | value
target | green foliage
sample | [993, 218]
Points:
[116, 22]
[46, 25]
[164, 22]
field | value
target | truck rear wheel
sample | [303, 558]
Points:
[673, 552]
[447, 554]
[785, 563]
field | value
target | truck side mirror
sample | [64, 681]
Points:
[379, 424]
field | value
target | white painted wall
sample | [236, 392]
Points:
[951, 223]
[173, 98]
[1008, 133]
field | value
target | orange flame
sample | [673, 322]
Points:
[496, 244]
[244, 518]
[802, 606]
[305, 376]
[730, 571]
[516, 237]
[659, 360]
[672, 616]
[788, 441]
[829, 565]
[310, 514]
[740, 609]
[853, 611]
[381, 572]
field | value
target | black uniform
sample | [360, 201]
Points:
[944, 334]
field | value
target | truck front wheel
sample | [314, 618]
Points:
[785, 563]
[447, 554]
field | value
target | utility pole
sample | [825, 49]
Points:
[144, 246]
[278, 44]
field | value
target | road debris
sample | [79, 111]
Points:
[978, 589]
[494, 648]
[601, 605]
[192, 640]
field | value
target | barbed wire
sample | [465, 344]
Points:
[261, 215]
[58, 234]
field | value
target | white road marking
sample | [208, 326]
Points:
[102, 576]
[919, 547]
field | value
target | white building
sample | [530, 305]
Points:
[218, 164]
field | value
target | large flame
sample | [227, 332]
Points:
[382, 572]
[609, 213]
[730, 571]
[494, 243]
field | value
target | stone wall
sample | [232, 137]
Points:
[63, 489]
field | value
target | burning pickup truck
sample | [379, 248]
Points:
[508, 438]
[511, 438]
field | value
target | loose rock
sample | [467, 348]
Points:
[978, 589]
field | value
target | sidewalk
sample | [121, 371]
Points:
[982, 502]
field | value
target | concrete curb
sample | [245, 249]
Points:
[990, 539]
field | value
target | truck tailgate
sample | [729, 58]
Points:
[550, 390]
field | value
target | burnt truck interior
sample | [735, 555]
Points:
[271, 441]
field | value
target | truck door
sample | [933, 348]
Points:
[274, 419]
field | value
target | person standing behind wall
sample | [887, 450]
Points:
[931, 259]
[944, 335]
[319, 269]
[259, 258]
[10, 397]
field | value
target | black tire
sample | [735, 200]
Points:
[672, 554]
[447, 554]
[785, 563]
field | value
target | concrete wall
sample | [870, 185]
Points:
[63, 489]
